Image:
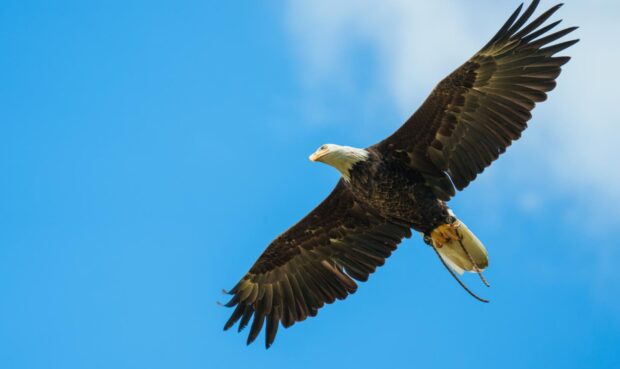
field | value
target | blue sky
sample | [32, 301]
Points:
[151, 150]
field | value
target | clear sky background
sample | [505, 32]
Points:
[149, 152]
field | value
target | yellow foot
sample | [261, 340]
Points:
[445, 233]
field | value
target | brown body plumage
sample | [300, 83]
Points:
[397, 192]
[403, 182]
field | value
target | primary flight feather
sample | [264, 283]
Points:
[403, 182]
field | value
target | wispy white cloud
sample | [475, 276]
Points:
[585, 124]
[410, 52]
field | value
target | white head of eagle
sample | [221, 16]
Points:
[340, 157]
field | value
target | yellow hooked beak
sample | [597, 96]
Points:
[317, 155]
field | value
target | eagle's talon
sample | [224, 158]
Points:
[445, 233]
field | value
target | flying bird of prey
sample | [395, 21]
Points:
[405, 181]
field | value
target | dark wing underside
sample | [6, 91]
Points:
[475, 113]
[313, 263]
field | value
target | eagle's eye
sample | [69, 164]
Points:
[323, 147]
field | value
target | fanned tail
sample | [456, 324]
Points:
[459, 250]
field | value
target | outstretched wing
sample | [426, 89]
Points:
[475, 113]
[313, 263]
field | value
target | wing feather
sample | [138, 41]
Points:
[315, 262]
[475, 113]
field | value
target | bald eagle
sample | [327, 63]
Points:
[405, 181]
